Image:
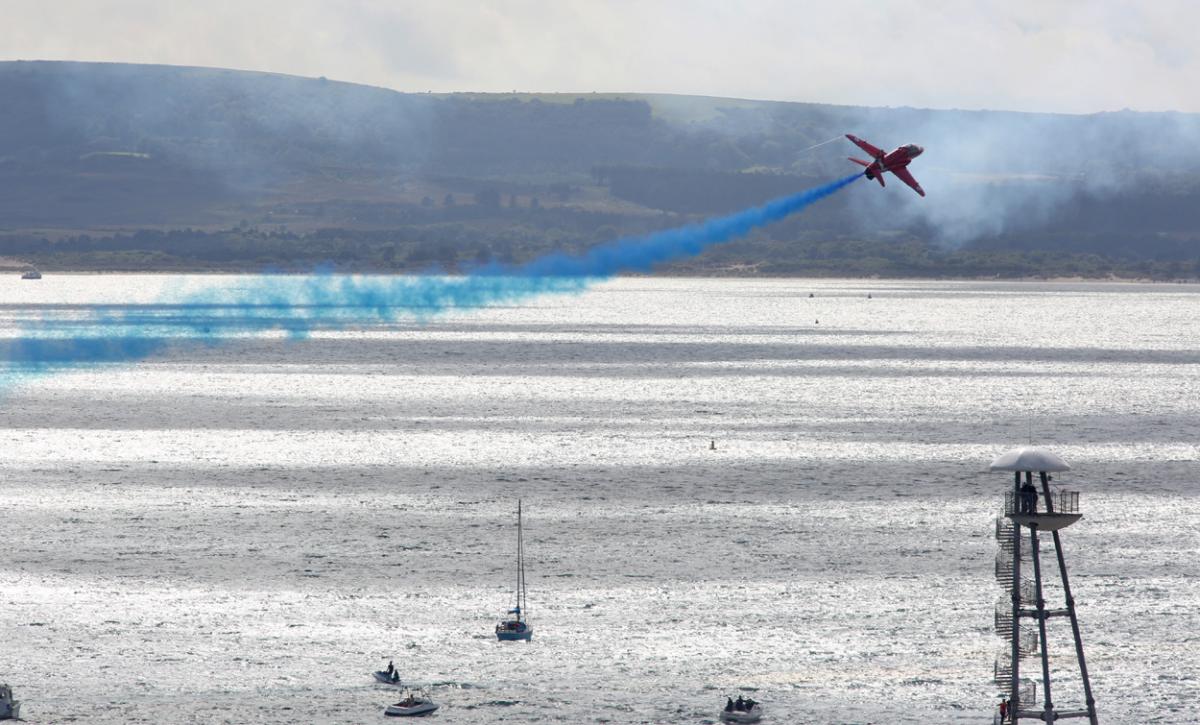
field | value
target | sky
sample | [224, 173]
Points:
[1026, 55]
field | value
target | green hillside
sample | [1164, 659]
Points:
[111, 166]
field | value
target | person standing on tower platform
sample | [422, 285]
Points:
[1004, 710]
[1028, 499]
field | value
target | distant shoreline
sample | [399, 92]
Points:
[51, 272]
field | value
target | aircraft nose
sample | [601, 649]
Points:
[920, 150]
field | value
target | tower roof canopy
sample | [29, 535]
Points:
[1029, 458]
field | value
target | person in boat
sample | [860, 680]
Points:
[728, 704]
[395, 675]
[740, 705]
[1028, 499]
[750, 704]
[391, 668]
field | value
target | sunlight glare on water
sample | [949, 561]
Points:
[240, 532]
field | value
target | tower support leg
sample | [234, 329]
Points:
[1083, 673]
[1066, 584]
[1047, 699]
[1014, 695]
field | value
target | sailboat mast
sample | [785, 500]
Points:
[521, 536]
[520, 562]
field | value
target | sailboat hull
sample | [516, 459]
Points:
[513, 635]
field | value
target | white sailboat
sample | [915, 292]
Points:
[515, 626]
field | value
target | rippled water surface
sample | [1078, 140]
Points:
[240, 531]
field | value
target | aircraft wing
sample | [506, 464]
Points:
[873, 150]
[907, 178]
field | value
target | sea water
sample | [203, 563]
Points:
[774, 488]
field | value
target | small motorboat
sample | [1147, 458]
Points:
[390, 676]
[382, 677]
[31, 273]
[413, 705]
[741, 711]
[10, 709]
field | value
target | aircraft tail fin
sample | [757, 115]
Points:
[879, 178]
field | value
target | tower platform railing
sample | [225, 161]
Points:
[1063, 500]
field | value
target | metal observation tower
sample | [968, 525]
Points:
[1023, 615]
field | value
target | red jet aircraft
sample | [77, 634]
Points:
[895, 162]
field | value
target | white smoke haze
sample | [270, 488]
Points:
[216, 120]
[986, 173]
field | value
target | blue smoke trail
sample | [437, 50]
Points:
[298, 305]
